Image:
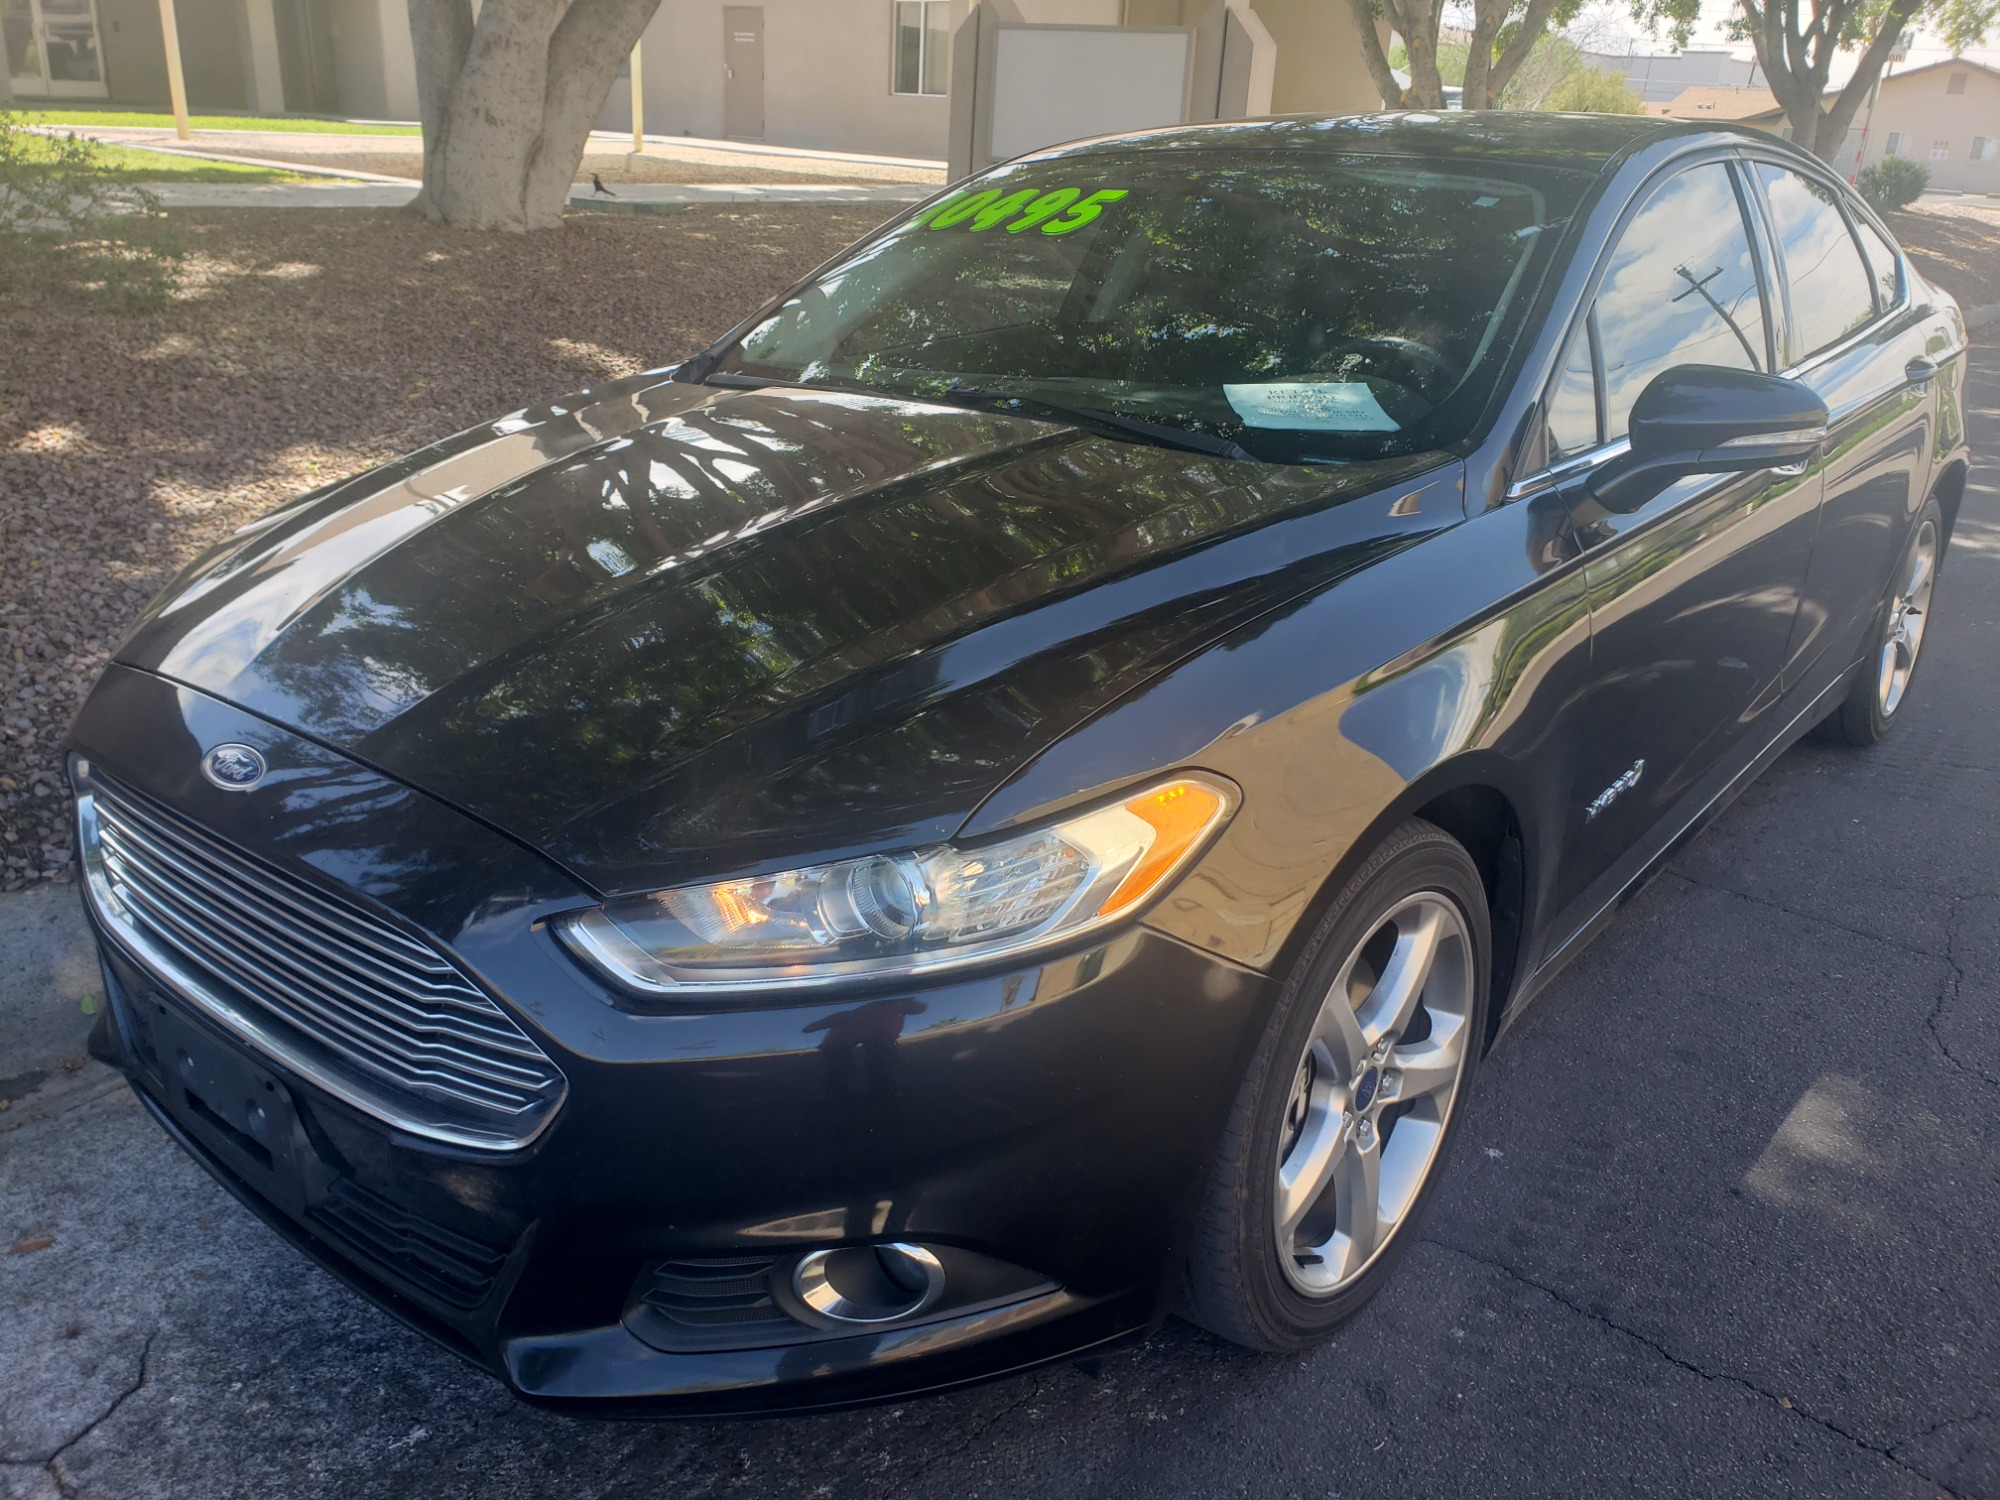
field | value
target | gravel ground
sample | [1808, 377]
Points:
[1957, 245]
[308, 345]
[305, 345]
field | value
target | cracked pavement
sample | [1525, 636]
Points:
[1725, 1220]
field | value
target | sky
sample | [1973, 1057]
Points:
[1610, 26]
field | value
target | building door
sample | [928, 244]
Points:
[52, 49]
[305, 56]
[743, 71]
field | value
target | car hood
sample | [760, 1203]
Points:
[665, 631]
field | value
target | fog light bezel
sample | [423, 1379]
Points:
[865, 1286]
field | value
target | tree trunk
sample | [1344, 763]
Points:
[1487, 74]
[1796, 61]
[1421, 21]
[507, 102]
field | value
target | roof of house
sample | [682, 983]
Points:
[1949, 62]
[1715, 101]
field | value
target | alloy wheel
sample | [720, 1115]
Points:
[1373, 1093]
[1909, 614]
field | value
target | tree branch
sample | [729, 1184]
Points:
[1534, 22]
[589, 46]
[1868, 70]
[1372, 55]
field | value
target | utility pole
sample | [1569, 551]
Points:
[170, 34]
[638, 105]
[1896, 54]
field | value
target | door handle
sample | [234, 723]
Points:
[1920, 371]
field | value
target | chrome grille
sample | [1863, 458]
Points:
[315, 982]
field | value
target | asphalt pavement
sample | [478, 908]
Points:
[1725, 1221]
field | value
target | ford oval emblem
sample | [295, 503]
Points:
[234, 768]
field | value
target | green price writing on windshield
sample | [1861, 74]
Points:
[1056, 211]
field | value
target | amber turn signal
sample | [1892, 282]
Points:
[1180, 815]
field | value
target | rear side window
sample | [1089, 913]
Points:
[1882, 265]
[1681, 289]
[1831, 288]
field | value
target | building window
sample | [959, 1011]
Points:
[1940, 150]
[1894, 146]
[1985, 148]
[923, 46]
[1955, 84]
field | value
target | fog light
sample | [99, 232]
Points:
[869, 1283]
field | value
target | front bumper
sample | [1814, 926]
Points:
[1057, 1119]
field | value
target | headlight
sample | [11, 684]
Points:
[904, 914]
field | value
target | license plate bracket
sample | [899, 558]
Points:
[238, 1109]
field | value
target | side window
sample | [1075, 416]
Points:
[1681, 289]
[1881, 265]
[1830, 285]
[1573, 402]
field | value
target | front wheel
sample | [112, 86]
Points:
[1340, 1128]
[1902, 621]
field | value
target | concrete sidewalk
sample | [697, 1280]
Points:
[632, 197]
[298, 151]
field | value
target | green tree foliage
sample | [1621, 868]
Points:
[1797, 46]
[1893, 182]
[1553, 76]
[67, 219]
[1585, 90]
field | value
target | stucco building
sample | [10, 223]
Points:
[1661, 77]
[859, 75]
[1945, 115]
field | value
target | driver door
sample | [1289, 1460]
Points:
[1693, 594]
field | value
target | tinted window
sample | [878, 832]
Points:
[1307, 307]
[1881, 264]
[1681, 290]
[1830, 285]
[1573, 402]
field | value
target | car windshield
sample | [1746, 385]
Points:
[1302, 307]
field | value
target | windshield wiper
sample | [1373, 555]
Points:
[1105, 423]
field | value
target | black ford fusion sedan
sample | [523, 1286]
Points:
[1008, 796]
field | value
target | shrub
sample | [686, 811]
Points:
[1584, 90]
[1893, 182]
[65, 220]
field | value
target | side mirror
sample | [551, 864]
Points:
[1704, 419]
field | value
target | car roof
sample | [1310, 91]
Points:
[1586, 142]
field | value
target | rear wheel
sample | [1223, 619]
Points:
[1340, 1128]
[1902, 622]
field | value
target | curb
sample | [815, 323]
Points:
[345, 173]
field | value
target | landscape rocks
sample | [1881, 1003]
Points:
[303, 346]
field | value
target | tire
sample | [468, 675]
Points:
[1902, 622]
[1309, 1112]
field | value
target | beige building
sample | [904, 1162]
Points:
[872, 76]
[347, 57]
[1945, 115]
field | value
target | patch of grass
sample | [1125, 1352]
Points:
[153, 120]
[66, 222]
[129, 164]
